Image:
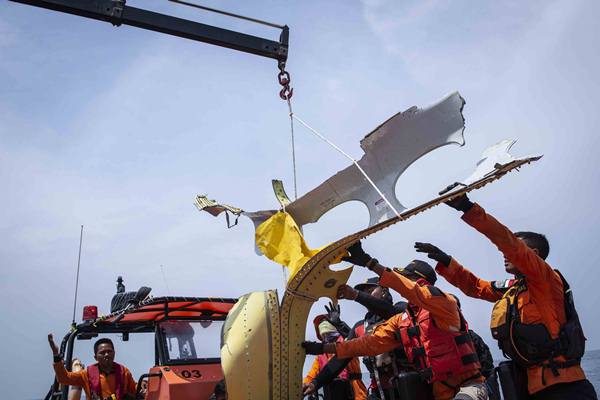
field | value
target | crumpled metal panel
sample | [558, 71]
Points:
[389, 150]
[493, 157]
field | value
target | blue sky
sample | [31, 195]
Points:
[119, 128]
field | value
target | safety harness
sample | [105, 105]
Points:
[532, 344]
[438, 354]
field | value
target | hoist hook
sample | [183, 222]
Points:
[284, 79]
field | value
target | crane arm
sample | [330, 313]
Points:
[117, 13]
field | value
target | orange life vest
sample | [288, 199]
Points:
[531, 343]
[93, 373]
[437, 354]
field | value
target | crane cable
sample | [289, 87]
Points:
[286, 93]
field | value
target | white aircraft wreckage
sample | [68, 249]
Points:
[261, 353]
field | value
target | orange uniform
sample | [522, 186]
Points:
[360, 390]
[80, 378]
[542, 302]
[444, 311]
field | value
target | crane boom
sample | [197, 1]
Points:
[117, 13]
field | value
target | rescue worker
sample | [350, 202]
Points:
[348, 383]
[104, 380]
[432, 331]
[534, 318]
[382, 368]
[486, 360]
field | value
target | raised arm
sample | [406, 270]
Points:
[525, 259]
[442, 307]
[468, 282]
[381, 308]
[457, 275]
[62, 375]
[334, 317]
[381, 340]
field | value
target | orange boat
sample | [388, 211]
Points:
[180, 325]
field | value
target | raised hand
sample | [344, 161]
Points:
[460, 203]
[333, 313]
[357, 255]
[347, 292]
[433, 252]
[53, 345]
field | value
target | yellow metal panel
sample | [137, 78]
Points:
[247, 350]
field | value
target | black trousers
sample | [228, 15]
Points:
[580, 390]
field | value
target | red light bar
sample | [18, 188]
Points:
[90, 313]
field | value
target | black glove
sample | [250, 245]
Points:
[333, 313]
[357, 255]
[314, 348]
[433, 252]
[333, 316]
[461, 203]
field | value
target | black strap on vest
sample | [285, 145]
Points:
[413, 331]
[462, 339]
[419, 352]
[556, 365]
[469, 359]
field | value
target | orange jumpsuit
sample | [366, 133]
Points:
[360, 390]
[543, 302]
[444, 311]
[80, 378]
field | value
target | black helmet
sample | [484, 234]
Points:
[368, 284]
[420, 268]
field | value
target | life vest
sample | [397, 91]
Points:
[531, 344]
[93, 373]
[437, 354]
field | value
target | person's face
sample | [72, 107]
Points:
[105, 355]
[379, 292]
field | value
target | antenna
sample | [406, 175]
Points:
[162, 270]
[77, 278]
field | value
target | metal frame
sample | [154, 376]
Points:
[117, 12]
